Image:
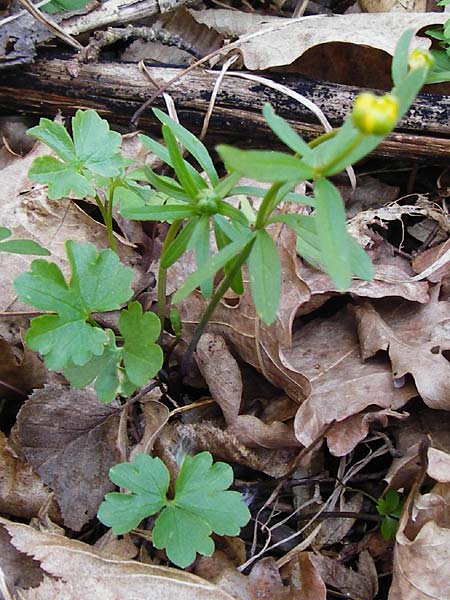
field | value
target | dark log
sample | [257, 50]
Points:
[117, 90]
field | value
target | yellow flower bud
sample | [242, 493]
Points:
[375, 115]
[420, 58]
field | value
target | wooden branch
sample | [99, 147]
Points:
[116, 90]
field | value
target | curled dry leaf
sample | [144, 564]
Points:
[19, 570]
[176, 440]
[22, 492]
[422, 549]
[68, 437]
[342, 383]
[431, 427]
[223, 376]
[84, 572]
[274, 41]
[155, 416]
[20, 375]
[415, 337]
[309, 574]
[263, 583]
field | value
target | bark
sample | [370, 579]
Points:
[116, 90]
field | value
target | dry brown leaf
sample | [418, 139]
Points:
[155, 416]
[308, 574]
[18, 569]
[24, 374]
[85, 573]
[263, 583]
[176, 440]
[68, 437]
[327, 352]
[274, 41]
[223, 376]
[431, 427]
[426, 259]
[415, 337]
[22, 492]
[422, 550]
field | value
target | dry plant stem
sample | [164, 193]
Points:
[218, 295]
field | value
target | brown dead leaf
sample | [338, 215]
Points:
[431, 427]
[266, 41]
[20, 374]
[223, 376]
[84, 572]
[263, 583]
[68, 437]
[327, 352]
[22, 492]
[426, 259]
[155, 416]
[19, 570]
[178, 439]
[309, 574]
[415, 337]
[422, 550]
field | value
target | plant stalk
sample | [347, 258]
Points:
[218, 295]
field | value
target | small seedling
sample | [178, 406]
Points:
[72, 341]
[390, 507]
[201, 505]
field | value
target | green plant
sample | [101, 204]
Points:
[201, 504]
[19, 246]
[390, 507]
[72, 341]
[59, 5]
[440, 71]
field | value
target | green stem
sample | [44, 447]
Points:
[267, 205]
[324, 169]
[162, 272]
[109, 219]
[323, 138]
[218, 295]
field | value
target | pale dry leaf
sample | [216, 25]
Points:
[24, 373]
[334, 530]
[223, 376]
[179, 439]
[266, 41]
[119, 548]
[68, 437]
[415, 337]
[422, 549]
[393, 5]
[86, 573]
[429, 257]
[22, 492]
[327, 352]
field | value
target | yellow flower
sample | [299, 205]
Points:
[375, 115]
[420, 58]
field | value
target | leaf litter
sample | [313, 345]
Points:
[352, 368]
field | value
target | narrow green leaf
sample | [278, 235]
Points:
[208, 270]
[265, 165]
[4, 233]
[264, 269]
[200, 241]
[399, 66]
[285, 132]
[162, 183]
[166, 212]
[332, 232]
[23, 247]
[222, 240]
[234, 214]
[180, 244]
[192, 144]
[178, 162]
